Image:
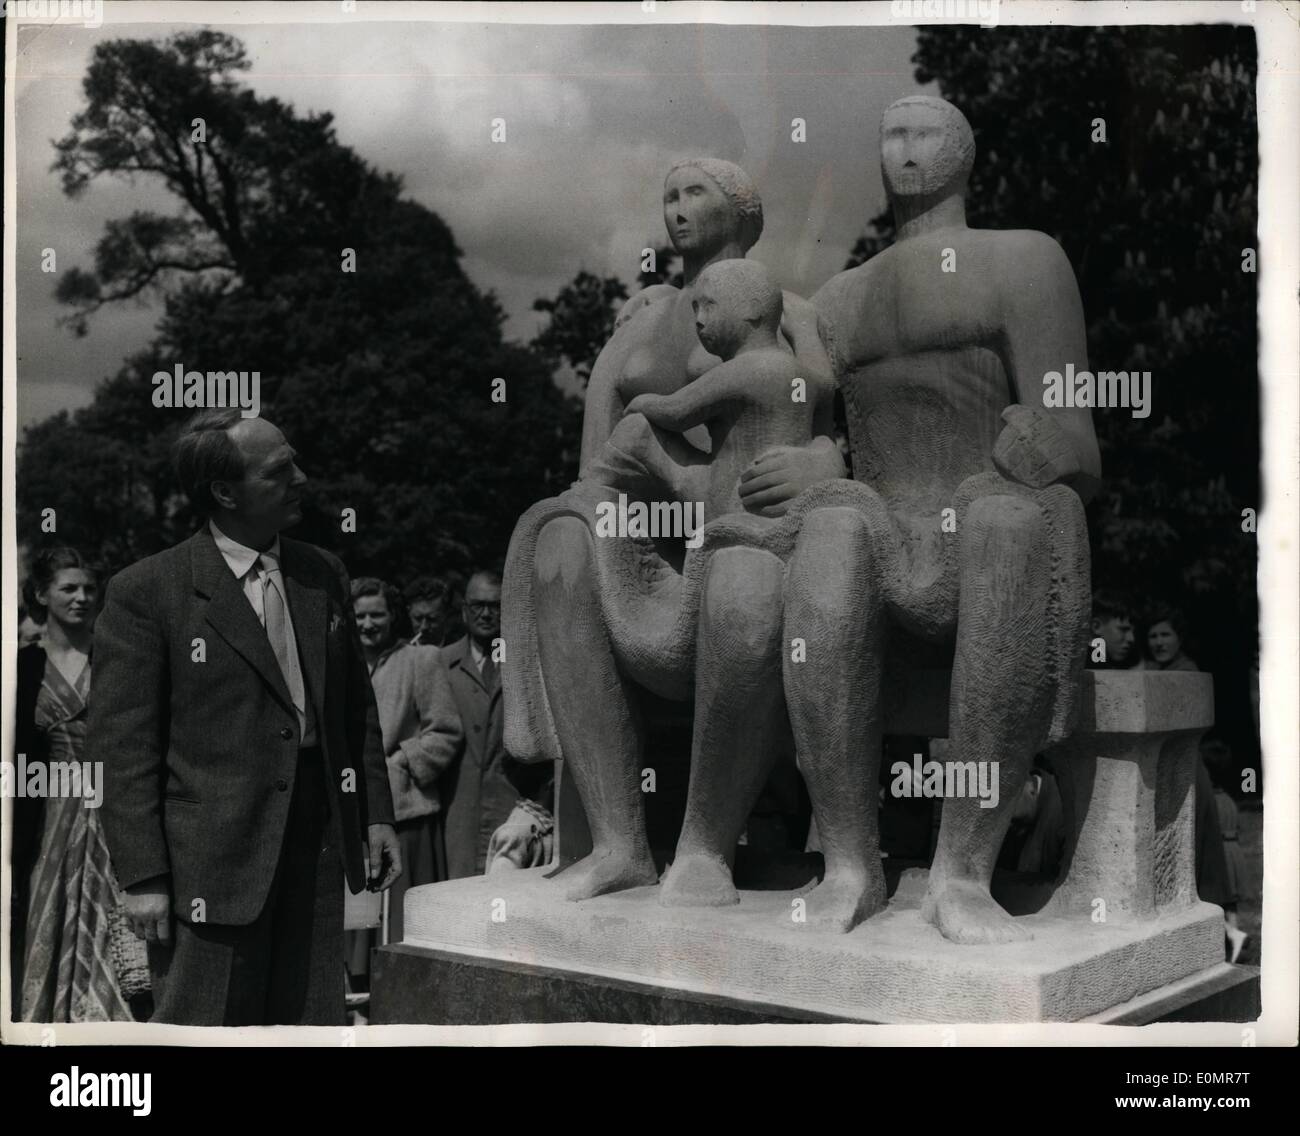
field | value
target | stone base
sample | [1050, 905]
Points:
[420, 986]
[755, 960]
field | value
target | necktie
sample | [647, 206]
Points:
[275, 613]
[489, 672]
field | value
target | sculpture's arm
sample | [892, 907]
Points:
[807, 333]
[779, 475]
[1043, 330]
[698, 401]
[604, 405]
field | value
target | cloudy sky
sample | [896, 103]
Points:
[594, 117]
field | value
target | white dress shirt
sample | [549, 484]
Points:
[246, 564]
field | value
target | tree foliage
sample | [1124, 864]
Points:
[584, 310]
[582, 320]
[381, 377]
[1154, 218]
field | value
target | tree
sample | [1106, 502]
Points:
[1136, 149]
[584, 310]
[290, 256]
[582, 320]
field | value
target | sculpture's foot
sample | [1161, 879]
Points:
[964, 912]
[605, 871]
[698, 880]
[842, 901]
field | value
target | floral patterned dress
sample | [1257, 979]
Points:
[69, 974]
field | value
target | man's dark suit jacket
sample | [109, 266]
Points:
[481, 787]
[197, 733]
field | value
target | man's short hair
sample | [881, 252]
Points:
[205, 452]
[427, 589]
[1110, 604]
[364, 586]
[491, 575]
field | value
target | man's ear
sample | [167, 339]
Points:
[221, 494]
[1096, 625]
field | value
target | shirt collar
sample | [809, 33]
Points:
[239, 557]
[475, 653]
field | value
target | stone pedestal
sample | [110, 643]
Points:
[1121, 935]
[893, 968]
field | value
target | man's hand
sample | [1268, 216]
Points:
[776, 478]
[149, 910]
[385, 857]
[1033, 449]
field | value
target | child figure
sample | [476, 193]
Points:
[753, 400]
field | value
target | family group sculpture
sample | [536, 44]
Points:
[959, 539]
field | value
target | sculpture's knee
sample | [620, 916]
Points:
[564, 553]
[831, 560]
[1004, 516]
[837, 524]
[741, 603]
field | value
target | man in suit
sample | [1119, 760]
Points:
[484, 783]
[243, 766]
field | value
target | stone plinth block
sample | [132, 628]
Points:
[893, 968]
[1127, 777]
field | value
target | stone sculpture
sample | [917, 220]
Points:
[941, 343]
[961, 542]
[592, 621]
[955, 560]
[754, 399]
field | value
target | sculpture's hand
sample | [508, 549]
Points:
[648, 405]
[1033, 449]
[780, 474]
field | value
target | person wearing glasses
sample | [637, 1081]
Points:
[484, 783]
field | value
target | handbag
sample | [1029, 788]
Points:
[129, 953]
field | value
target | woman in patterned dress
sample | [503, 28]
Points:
[72, 956]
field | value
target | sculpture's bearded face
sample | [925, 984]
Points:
[699, 217]
[926, 149]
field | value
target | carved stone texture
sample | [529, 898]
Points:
[896, 967]
[978, 548]
[1127, 781]
[596, 622]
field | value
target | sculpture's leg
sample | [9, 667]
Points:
[833, 607]
[999, 710]
[592, 707]
[739, 721]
